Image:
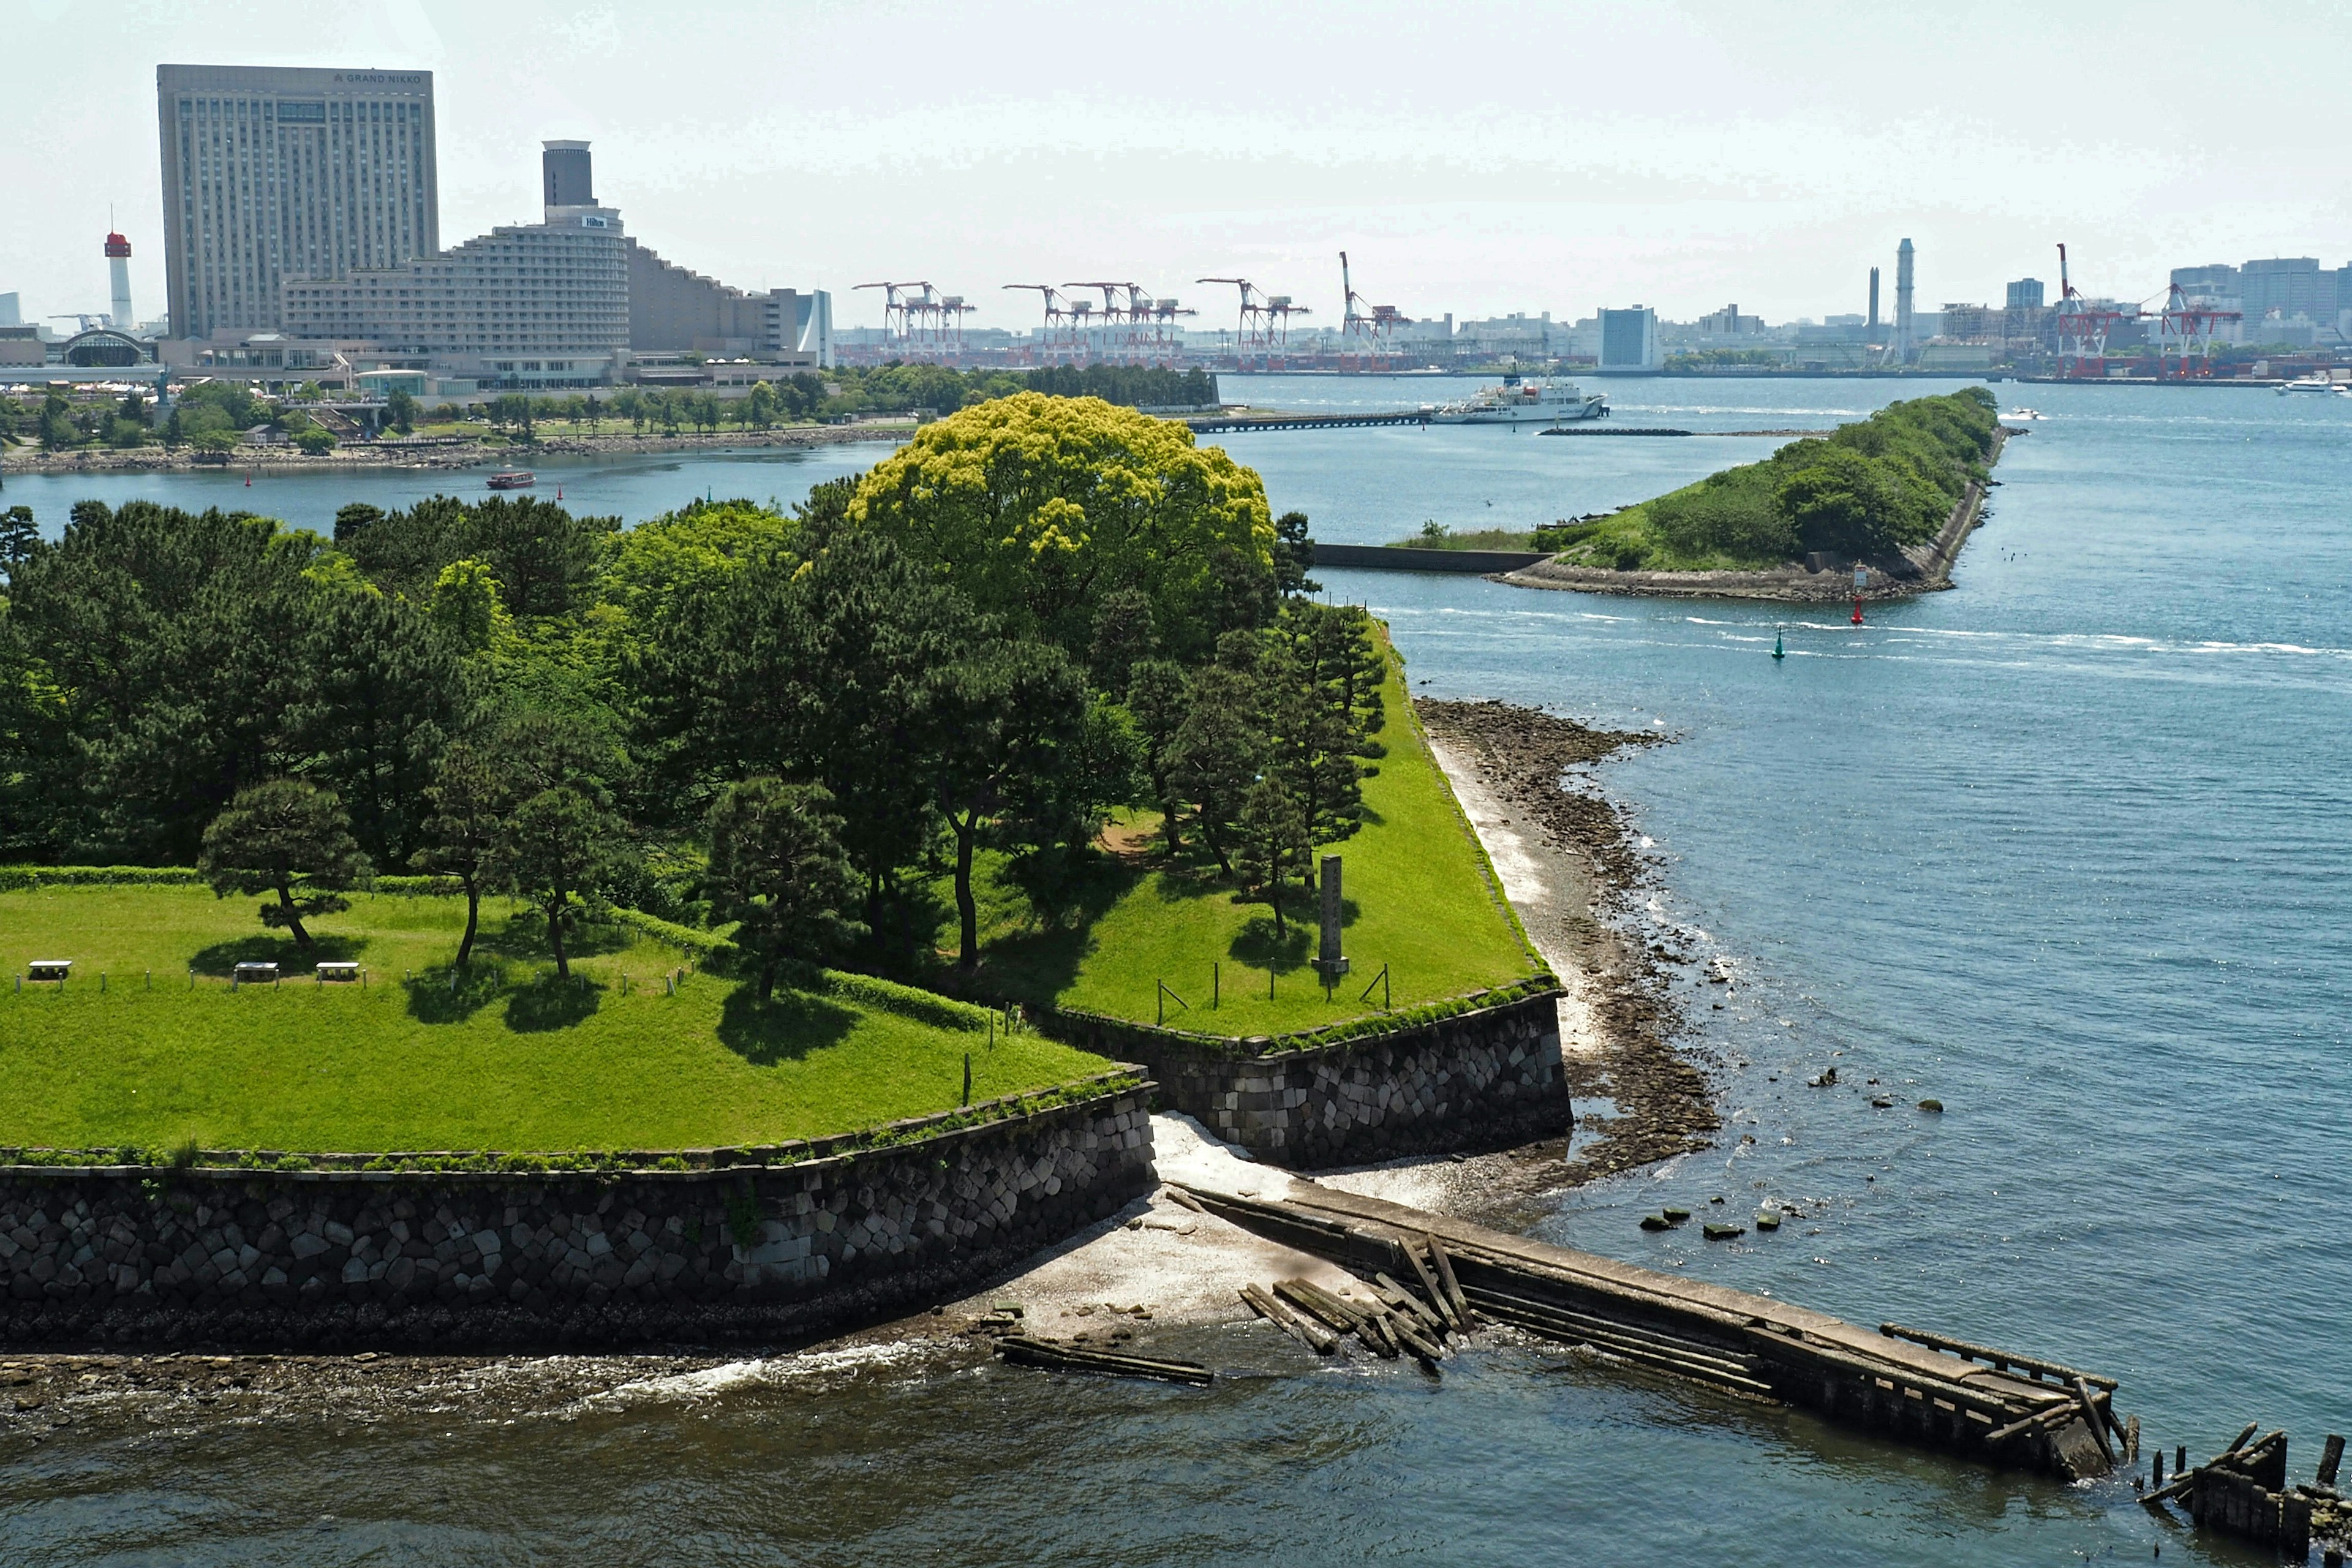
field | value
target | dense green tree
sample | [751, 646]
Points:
[1218, 751]
[822, 665]
[384, 692]
[560, 852]
[178, 642]
[548, 562]
[1156, 697]
[401, 409]
[1276, 844]
[467, 803]
[778, 869]
[760, 407]
[1010, 719]
[19, 536]
[1039, 509]
[58, 430]
[289, 838]
[1294, 555]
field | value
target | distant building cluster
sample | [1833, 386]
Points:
[302, 241]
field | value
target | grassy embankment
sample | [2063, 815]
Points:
[511, 1060]
[1867, 490]
[1420, 897]
[1473, 539]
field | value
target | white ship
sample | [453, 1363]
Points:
[2319, 384]
[1518, 402]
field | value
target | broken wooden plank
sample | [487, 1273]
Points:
[1987, 1354]
[1313, 1335]
[1054, 1355]
[1445, 1266]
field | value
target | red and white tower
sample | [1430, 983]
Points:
[118, 263]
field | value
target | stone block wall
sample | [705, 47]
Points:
[1488, 1078]
[137, 1256]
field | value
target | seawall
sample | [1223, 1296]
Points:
[350, 1259]
[1490, 1078]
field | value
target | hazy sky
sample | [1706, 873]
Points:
[1471, 158]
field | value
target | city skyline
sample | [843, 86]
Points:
[1713, 169]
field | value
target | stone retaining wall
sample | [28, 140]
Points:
[1490, 1078]
[138, 1255]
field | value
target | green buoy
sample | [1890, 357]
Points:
[1778, 651]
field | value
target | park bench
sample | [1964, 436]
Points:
[338, 969]
[57, 969]
[255, 974]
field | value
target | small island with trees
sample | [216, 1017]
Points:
[1895, 495]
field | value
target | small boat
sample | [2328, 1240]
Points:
[514, 479]
[2315, 383]
[2025, 414]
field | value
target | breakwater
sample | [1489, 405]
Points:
[1915, 569]
[1489, 1077]
[730, 1245]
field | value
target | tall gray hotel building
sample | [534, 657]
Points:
[273, 174]
[304, 203]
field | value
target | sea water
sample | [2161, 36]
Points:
[2064, 847]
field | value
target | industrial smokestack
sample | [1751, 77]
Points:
[1907, 347]
[564, 166]
[118, 264]
[1873, 304]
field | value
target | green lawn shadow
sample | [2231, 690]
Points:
[433, 999]
[549, 1002]
[219, 960]
[523, 935]
[1257, 945]
[1068, 893]
[785, 1028]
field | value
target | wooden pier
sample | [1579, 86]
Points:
[1210, 425]
[2016, 1411]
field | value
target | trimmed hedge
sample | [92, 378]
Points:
[21, 879]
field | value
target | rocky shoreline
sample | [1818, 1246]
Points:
[461, 454]
[1569, 865]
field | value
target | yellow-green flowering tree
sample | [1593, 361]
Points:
[1041, 508]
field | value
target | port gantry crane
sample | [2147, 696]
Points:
[1364, 337]
[1056, 319]
[2186, 330]
[2082, 328]
[911, 324]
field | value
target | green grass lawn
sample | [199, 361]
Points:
[1420, 897]
[511, 1060]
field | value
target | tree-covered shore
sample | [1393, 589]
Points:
[1868, 490]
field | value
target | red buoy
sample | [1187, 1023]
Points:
[1857, 609]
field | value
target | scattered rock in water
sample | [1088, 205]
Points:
[1676, 1216]
[1829, 1077]
[1881, 1101]
[1655, 1222]
[1716, 1232]
[1767, 1220]
[1935, 1105]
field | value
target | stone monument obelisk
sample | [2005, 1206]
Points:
[1328, 961]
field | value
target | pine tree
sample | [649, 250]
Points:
[777, 868]
[286, 837]
[1275, 846]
